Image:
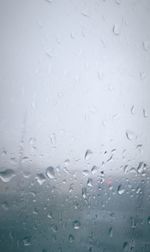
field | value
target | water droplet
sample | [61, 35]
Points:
[138, 190]
[7, 175]
[110, 232]
[125, 247]
[5, 205]
[3, 153]
[67, 162]
[84, 192]
[148, 220]
[85, 172]
[133, 224]
[27, 241]
[145, 115]
[118, 1]
[71, 238]
[132, 110]
[90, 182]
[50, 216]
[49, 1]
[54, 228]
[116, 30]
[94, 169]
[76, 224]
[88, 154]
[32, 142]
[120, 190]
[40, 178]
[130, 135]
[142, 75]
[50, 172]
[146, 45]
[141, 167]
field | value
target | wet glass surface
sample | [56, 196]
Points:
[74, 126]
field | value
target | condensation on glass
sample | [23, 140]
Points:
[74, 126]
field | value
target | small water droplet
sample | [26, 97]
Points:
[130, 135]
[40, 178]
[146, 45]
[118, 1]
[85, 172]
[50, 216]
[76, 224]
[66, 162]
[148, 220]
[142, 75]
[94, 169]
[84, 192]
[145, 115]
[133, 224]
[125, 247]
[5, 205]
[138, 190]
[49, 1]
[110, 232]
[88, 154]
[90, 182]
[141, 167]
[27, 241]
[54, 228]
[71, 238]
[132, 110]
[7, 175]
[120, 190]
[116, 30]
[50, 172]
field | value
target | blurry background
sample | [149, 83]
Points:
[74, 125]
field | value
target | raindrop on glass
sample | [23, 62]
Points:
[76, 224]
[146, 45]
[90, 182]
[116, 30]
[88, 154]
[50, 172]
[110, 232]
[27, 241]
[120, 190]
[40, 178]
[71, 238]
[7, 175]
[94, 169]
[141, 167]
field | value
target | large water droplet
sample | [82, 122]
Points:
[40, 178]
[120, 190]
[76, 224]
[88, 154]
[50, 172]
[7, 175]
